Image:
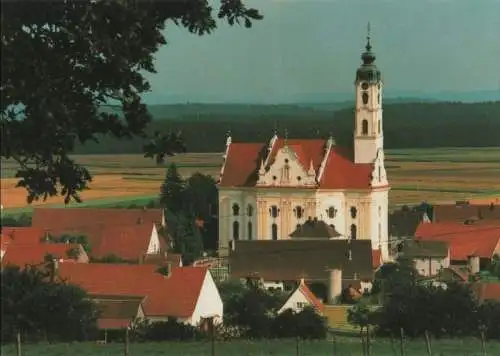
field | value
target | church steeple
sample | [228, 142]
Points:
[368, 71]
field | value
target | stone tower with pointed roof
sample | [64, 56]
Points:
[368, 132]
[267, 190]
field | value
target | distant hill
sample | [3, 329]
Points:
[406, 125]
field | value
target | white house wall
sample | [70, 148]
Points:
[297, 301]
[430, 267]
[209, 302]
[154, 242]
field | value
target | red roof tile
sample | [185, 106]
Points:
[78, 218]
[487, 291]
[19, 254]
[313, 300]
[376, 258]
[174, 296]
[463, 240]
[24, 235]
[244, 159]
[128, 242]
[5, 241]
[113, 324]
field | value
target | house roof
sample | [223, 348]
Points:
[68, 219]
[487, 291]
[463, 240]
[243, 162]
[20, 254]
[117, 314]
[315, 229]
[425, 248]
[175, 295]
[24, 235]
[376, 258]
[463, 212]
[309, 295]
[404, 222]
[160, 259]
[291, 260]
[5, 241]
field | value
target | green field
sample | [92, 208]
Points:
[343, 346]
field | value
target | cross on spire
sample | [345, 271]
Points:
[368, 36]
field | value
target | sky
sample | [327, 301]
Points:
[308, 49]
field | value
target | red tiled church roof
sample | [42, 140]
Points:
[243, 162]
[174, 296]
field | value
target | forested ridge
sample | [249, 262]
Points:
[406, 125]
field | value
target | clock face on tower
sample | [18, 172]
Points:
[364, 86]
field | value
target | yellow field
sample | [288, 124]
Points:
[433, 175]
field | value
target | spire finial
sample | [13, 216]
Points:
[368, 36]
[286, 137]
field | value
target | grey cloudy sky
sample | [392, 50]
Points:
[307, 47]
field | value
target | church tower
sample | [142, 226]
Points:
[368, 132]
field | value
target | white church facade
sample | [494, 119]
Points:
[268, 189]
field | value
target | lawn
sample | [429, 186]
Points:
[436, 175]
[343, 346]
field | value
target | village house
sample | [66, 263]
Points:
[300, 298]
[464, 241]
[280, 264]
[430, 257]
[267, 189]
[118, 312]
[464, 212]
[487, 291]
[186, 293]
[19, 254]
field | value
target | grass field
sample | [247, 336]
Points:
[435, 175]
[343, 346]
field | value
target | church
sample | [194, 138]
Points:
[268, 190]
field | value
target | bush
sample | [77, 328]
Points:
[306, 324]
[170, 330]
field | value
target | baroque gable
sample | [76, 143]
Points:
[286, 170]
[379, 174]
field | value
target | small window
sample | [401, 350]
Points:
[332, 212]
[354, 212]
[286, 160]
[274, 211]
[379, 211]
[301, 305]
[250, 232]
[274, 231]
[364, 96]
[364, 127]
[299, 212]
[286, 172]
[354, 232]
[236, 209]
[250, 210]
[236, 230]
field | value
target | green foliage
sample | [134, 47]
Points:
[40, 309]
[360, 315]
[172, 189]
[19, 221]
[252, 310]
[201, 196]
[421, 127]
[72, 239]
[65, 60]
[171, 330]
[306, 324]
[187, 239]
[113, 259]
[494, 267]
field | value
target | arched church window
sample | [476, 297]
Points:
[236, 209]
[354, 232]
[332, 212]
[364, 96]
[236, 230]
[379, 98]
[274, 231]
[379, 211]
[354, 212]
[250, 232]
[274, 211]
[250, 210]
[299, 212]
[364, 127]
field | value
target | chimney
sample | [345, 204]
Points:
[167, 269]
[55, 269]
[334, 285]
[473, 261]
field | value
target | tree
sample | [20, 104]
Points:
[63, 61]
[306, 324]
[172, 189]
[360, 315]
[494, 267]
[35, 307]
[186, 236]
